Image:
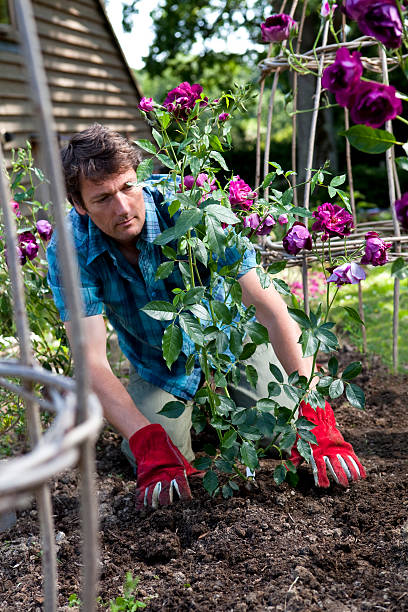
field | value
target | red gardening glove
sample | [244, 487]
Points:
[331, 450]
[161, 468]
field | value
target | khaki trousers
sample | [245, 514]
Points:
[150, 400]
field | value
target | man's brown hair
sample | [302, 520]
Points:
[94, 154]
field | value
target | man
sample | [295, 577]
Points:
[114, 223]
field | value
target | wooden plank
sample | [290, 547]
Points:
[84, 96]
[63, 35]
[56, 79]
[97, 113]
[70, 52]
[65, 20]
[79, 10]
[15, 108]
[57, 65]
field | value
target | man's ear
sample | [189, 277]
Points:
[80, 209]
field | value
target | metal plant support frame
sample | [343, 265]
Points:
[317, 59]
[70, 439]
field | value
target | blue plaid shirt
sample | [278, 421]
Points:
[111, 285]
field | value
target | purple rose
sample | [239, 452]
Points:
[401, 209]
[332, 220]
[263, 228]
[379, 19]
[342, 77]
[266, 226]
[146, 104]
[375, 250]
[240, 193]
[326, 9]
[374, 103]
[223, 117]
[200, 181]
[252, 221]
[347, 274]
[181, 100]
[16, 208]
[297, 238]
[283, 219]
[44, 229]
[277, 28]
[28, 244]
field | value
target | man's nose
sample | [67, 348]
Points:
[121, 203]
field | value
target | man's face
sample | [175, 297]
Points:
[115, 205]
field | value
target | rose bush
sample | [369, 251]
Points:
[210, 215]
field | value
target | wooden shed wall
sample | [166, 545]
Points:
[87, 74]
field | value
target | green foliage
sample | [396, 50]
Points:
[128, 601]
[48, 338]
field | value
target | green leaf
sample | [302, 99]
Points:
[248, 350]
[229, 439]
[274, 389]
[166, 161]
[171, 344]
[223, 313]
[352, 370]
[158, 137]
[268, 180]
[307, 436]
[169, 252]
[304, 449]
[399, 268]
[193, 296]
[215, 236]
[276, 267]
[368, 139]
[186, 221]
[249, 455]
[172, 410]
[309, 343]
[264, 277]
[164, 270]
[252, 375]
[300, 211]
[236, 293]
[292, 393]
[257, 332]
[338, 180]
[336, 388]
[173, 208]
[287, 197]
[222, 213]
[300, 317]
[227, 491]
[219, 158]
[326, 336]
[355, 395]
[200, 311]
[265, 405]
[279, 474]
[276, 372]
[236, 341]
[333, 366]
[144, 170]
[190, 364]
[215, 143]
[146, 145]
[210, 482]
[224, 466]
[192, 327]
[163, 117]
[281, 286]
[202, 463]
[353, 314]
[160, 310]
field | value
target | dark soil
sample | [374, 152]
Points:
[271, 548]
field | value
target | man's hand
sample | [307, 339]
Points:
[161, 468]
[331, 450]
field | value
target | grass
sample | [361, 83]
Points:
[378, 291]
